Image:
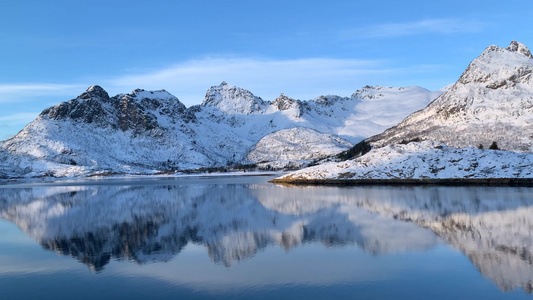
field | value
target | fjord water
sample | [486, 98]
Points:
[242, 237]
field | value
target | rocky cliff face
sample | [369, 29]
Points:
[137, 111]
[491, 101]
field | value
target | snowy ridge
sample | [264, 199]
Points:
[147, 131]
[491, 101]
[424, 160]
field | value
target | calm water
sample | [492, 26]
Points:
[241, 237]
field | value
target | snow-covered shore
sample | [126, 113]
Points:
[427, 160]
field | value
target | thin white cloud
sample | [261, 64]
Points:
[435, 26]
[11, 124]
[19, 118]
[299, 78]
[15, 92]
[32, 87]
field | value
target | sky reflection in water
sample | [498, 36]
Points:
[242, 237]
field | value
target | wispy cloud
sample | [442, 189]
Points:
[14, 92]
[267, 78]
[19, 118]
[10, 124]
[300, 78]
[429, 26]
[31, 87]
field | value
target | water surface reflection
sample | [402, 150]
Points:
[153, 223]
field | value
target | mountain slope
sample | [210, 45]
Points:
[424, 160]
[126, 133]
[145, 131]
[296, 144]
[491, 101]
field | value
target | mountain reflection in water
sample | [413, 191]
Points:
[153, 223]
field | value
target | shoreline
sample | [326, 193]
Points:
[516, 182]
[98, 179]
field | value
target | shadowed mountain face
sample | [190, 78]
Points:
[153, 223]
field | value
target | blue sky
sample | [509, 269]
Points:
[51, 51]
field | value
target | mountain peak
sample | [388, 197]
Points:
[94, 88]
[95, 91]
[232, 99]
[500, 67]
[157, 94]
[520, 48]
[282, 96]
[494, 89]
[87, 107]
[283, 102]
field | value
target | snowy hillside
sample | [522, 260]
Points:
[491, 101]
[295, 144]
[424, 160]
[127, 133]
[146, 131]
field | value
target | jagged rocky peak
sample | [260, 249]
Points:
[284, 102]
[94, 91]
[233, 100]
[329, 100]
[497, 67]
[520, 48]
[87, 107]
[296, 107]
[135, 111]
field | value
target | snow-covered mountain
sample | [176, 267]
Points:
[422, 160]
[145, 131]
[491, 101]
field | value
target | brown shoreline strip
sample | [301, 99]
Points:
[519, 182]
